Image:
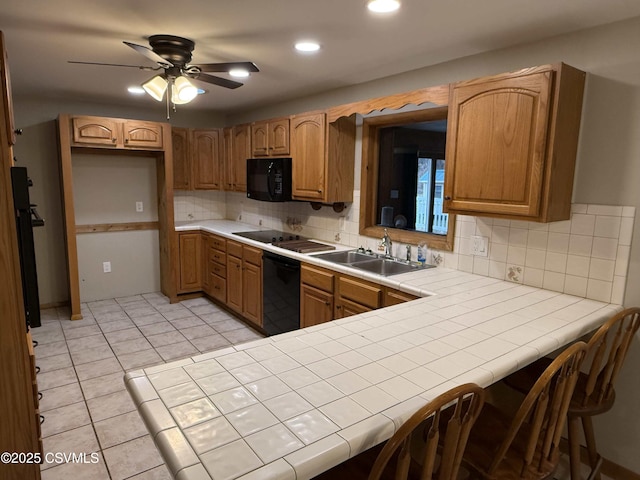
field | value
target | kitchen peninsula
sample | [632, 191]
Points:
[293, 405]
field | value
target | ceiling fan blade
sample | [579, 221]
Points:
[150, 54]
[114, 65]
[225, 67]
[221, 82]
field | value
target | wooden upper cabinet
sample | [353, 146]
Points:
[95, 131]
[205, 156]
[142, 134]
[308, 157]
[322, 158]
[181, 159]
[197, 158]
[237, 151]
[512, 142]
[116, 133]
[270, 138]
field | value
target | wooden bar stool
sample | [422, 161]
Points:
[594, 393]
[526, 445]
[441, 444]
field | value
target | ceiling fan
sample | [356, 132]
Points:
[173, 54]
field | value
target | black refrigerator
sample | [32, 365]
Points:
[26, 218]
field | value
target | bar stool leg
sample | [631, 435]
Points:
[590, 439]
[574, 447]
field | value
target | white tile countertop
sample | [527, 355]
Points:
[293, 405]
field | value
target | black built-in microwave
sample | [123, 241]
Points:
[269, 179]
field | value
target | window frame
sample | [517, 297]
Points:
[369, 179]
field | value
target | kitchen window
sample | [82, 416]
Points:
[403, 171]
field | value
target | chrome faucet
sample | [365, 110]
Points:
[386, 243]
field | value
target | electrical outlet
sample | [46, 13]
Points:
[479, 245]
[106, 267]
[139, 207]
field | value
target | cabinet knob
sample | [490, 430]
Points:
[327, 303]
[447, 197]
[113, 140]
[338, 307]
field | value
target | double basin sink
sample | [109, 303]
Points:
[373, 263]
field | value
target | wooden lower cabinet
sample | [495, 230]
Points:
[316, 306]
[327, 295]
[316, 295]
[190, 271]
[214, 281]
[234, 282]
[355, 296]
[244, 281]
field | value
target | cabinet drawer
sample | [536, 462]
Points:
[234, 249]
[218, 287]
[317, 277]
[359, 291]
[217, 256]
[216, 268]
[218, 243]
[252, 255]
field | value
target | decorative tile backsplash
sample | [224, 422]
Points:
[587, 256]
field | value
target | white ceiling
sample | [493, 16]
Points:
[357, 46]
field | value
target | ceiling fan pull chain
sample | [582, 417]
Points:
[168, 107]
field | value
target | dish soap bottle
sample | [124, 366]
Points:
[422, 253]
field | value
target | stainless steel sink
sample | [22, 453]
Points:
[386, 267]
[347, 256]
[371, 262]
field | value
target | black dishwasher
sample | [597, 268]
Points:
[281, 293]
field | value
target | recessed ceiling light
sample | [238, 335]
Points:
[307, 46]
[239, 73]
[383, 6]
[136, 90]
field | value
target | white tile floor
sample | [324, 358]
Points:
[82, 364]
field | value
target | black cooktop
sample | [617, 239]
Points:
[269, 236]
[288, 241]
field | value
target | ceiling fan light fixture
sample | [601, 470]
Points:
[383, 6]
[239, 72]
[156, 87]
[183, 91]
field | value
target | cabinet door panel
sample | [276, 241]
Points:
[308, 157]
[190, 245]
[234, 283]
[347, 308]
[252, 293]
[142, 134]
[279, 137]
[95, 131]
[240, 151]
[259, 139]
[316, 306]
[496, 145]
[205, 149]
[181, 160]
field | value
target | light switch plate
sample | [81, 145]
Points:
[480, 245]
[106, 267]
[139, 207]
